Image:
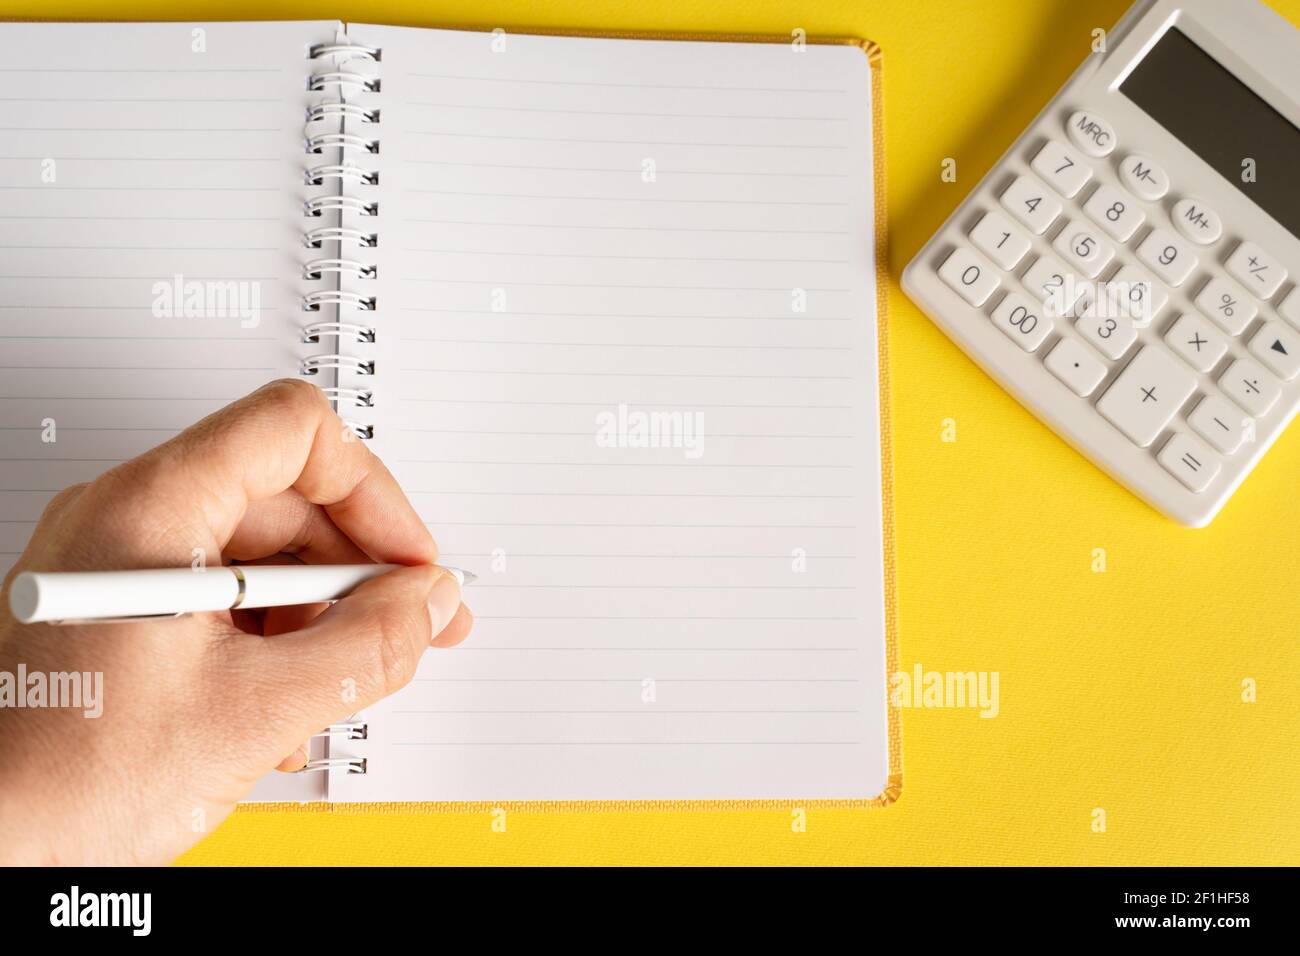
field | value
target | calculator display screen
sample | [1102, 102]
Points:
[1223, 121]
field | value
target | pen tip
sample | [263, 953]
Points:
[467, 577]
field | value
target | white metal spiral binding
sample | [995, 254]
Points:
[343, 171]
[313, 238]
[350, 730]
[350, 764]
[341, 330]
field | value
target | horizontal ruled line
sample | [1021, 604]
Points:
[635, 680]
[568, 255]
[670, 557]
[648, 712]
[612, 464]
[631, 345]
[623, 142]
[593, 285]
[571, 374]
[634, 86]
[627, 743]
[555, 225]
[635, 170]
[801, 317]
[645, 199]
[656, 405]
[477, 107]
[571, 524]
[587, 434]
[668, 587]
[139, 129]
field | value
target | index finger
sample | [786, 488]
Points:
[284, 435]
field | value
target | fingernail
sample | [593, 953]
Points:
[444, 599]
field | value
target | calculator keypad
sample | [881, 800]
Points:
[1256, 270]
[969, 276]
[1279, 348]
[998, 239]
[1226, 303]
[1167, 256]
[1114, 211]
[1107, 256]
[1081, 245]
[1061, 168]
[1032, 204]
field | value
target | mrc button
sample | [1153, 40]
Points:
[1090, 133]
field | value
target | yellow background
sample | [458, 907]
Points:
[1119, 690]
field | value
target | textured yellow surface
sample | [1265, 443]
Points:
[1120, 690]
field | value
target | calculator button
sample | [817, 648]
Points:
[969, 276]
[1061, 168]
[1000, 240]
[1111, 336]
[1250, 387]
[1199, 343]
[1255, 269]
[1080, 244]
[1144, 177]
[1050, 282]
[1221, 424]
[1090, 133]
[1031, 203]
[1022, 320]
[1075, 365]
[1190, 461]
[1169, 257]
[1114, 211]
[1226, 303]
[1289, 308]
[1279, 348]
[1197, 221]
[1136, 294]
[1147, 395]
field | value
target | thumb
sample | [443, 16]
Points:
[362, 649]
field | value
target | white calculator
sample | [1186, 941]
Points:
[1128, 270]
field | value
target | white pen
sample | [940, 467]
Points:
[101, 597]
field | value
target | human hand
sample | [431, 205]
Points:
[196, 709]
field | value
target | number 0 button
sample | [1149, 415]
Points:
[1022, 320]
[970, 276]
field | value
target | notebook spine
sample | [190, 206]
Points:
[338, 136]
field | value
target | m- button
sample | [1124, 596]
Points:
[1090, 133]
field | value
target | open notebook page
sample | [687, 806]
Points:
[577, 234]
[140, 165]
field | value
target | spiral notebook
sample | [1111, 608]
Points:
[609, 307]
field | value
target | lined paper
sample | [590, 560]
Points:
[577, 232]
[131, 154]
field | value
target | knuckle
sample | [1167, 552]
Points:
[63, 499]
[394, 649]
[292, 394]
